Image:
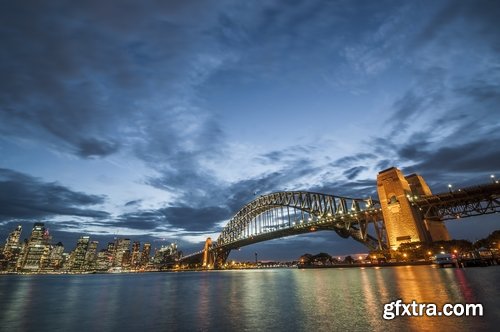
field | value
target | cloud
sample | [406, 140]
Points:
[195, 219]
[96, 148]
[471, 157]
[458, 145]
[135, 81]
[26, 197]
[353, 172]
[349, 160]
[141, 220]
[360, 188]
[441, 126]
[134, 202]
[480, 18]
[93, 83]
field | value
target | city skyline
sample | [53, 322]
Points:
[159, 122]
[39, 253]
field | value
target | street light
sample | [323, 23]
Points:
[492, 176]
[449, 187]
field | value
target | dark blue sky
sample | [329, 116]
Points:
[158, 120]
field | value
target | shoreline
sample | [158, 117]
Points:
[389, 264]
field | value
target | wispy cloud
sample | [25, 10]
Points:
[26, 197]
[215, 102]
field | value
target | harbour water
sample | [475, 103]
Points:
[247, 300]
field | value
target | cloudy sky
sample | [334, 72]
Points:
[159, 120]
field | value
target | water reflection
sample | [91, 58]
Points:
[278, 300]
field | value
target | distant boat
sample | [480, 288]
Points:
[443, 260]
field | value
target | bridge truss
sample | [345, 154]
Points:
[461, 203]
[289, 213]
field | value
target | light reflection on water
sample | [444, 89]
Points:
[252, 300]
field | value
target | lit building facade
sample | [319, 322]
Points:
[166, 256]
[135, 259]
[57, 257]
[403, 222]
[146, 253]
[91, 255]
[77, 258]
[12, 248]
[36, 251]
[121, 256]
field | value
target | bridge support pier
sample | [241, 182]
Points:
[208, 257]
[403, 221]
[213, 257]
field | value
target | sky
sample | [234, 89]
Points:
[159, 120]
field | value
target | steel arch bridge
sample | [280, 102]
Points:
[289, 213]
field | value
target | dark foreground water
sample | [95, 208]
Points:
[252, 300]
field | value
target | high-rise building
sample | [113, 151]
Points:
[104, 260]
[77, 258]
[135, 259]
[146, 252]
[90, 256]
[166, 256]
[36, 250]
[122, 253]
[12, 248]
[12, 240]
[56, 256]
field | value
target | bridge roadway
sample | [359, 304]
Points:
[289, 213]
[284, 214]
[460, 203]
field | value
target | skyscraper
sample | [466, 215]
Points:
[12, 248]
[104, 260]
[56, 256]
[146, 252]
[135, 260]
[77, 258]
[35, 251]
[12, 240]
[122, 253]
[90, 256]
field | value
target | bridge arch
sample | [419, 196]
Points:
[288, 213]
